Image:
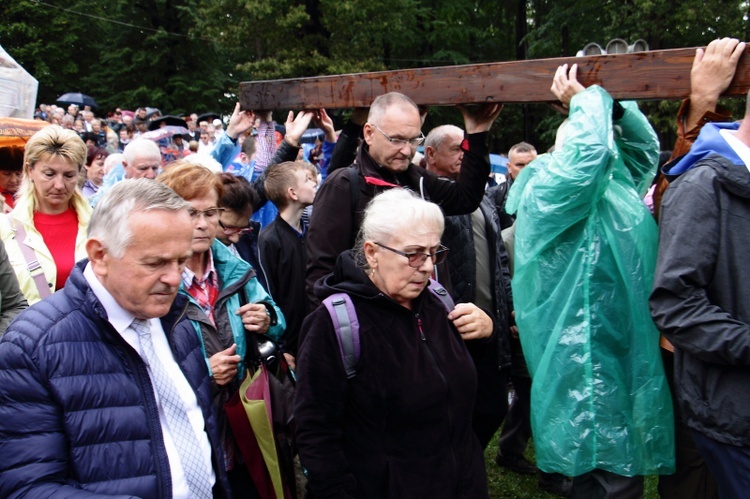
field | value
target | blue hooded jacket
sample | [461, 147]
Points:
[78, 414]
[709, 143]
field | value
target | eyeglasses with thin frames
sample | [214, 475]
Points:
[413, 143]
[209, 214]
[416, 260]
[228, 231]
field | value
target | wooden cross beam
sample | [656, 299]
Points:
[658, 74]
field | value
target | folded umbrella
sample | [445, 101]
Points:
[250, 416]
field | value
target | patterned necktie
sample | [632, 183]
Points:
[182, 432]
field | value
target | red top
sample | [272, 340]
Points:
[8, 199]
[59, 233]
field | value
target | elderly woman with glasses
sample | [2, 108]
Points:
[45, 234]
[225, 298]
[401, 426]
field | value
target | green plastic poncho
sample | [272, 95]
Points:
[585, 256]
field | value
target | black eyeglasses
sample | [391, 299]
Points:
[413, 143]
[416, 260]
[228, 231]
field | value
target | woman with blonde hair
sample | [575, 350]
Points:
[45, 233]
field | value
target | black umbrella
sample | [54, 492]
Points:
[168, 120]
[210, 117]
[77, 98]
[150, 111]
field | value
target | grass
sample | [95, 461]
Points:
[504, 484]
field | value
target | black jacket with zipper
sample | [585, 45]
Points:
[335, 222]
[402, 426]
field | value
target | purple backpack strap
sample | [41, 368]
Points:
[346, 325]
[442, 294]
[32, 263]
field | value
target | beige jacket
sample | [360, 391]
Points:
[24, 214]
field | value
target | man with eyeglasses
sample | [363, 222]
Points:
[391, 137]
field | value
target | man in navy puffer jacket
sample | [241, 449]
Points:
[79, 414]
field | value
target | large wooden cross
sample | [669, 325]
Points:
[658, 74]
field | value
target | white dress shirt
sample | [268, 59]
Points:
[121, 320]
[730, 136]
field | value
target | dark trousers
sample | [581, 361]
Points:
[491, 404]
[517, 429]
[692, 479]
[242, 483]
[730, 465]
[600, 484]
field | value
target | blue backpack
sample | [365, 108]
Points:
[346, 324]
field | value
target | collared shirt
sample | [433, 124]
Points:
[742, 150]
[233, 249]
[205, 290]
[265, 145]
[89, 188]
[121, 320]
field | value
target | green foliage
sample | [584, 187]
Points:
[51, 49]
[121, 53]
[191, 55]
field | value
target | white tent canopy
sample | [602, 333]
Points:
[17, 89]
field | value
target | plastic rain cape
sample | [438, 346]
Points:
[585, 256]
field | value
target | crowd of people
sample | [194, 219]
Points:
[420, 307]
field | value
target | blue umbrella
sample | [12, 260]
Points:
[77, 98]
[498, 163]
[311, 134]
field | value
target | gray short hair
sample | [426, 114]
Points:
[522, 147]
[392, 211]
[381, 104]
[437, 135]
[140, 148]
[110, 222]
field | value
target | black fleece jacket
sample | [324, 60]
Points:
[402, 426]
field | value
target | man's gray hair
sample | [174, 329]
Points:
[140, 148]
[437, 135]
[110, 222]
[522, 147]
[381, 104]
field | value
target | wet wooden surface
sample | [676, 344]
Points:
[658, 74]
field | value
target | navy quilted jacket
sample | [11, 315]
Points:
[78, 417]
